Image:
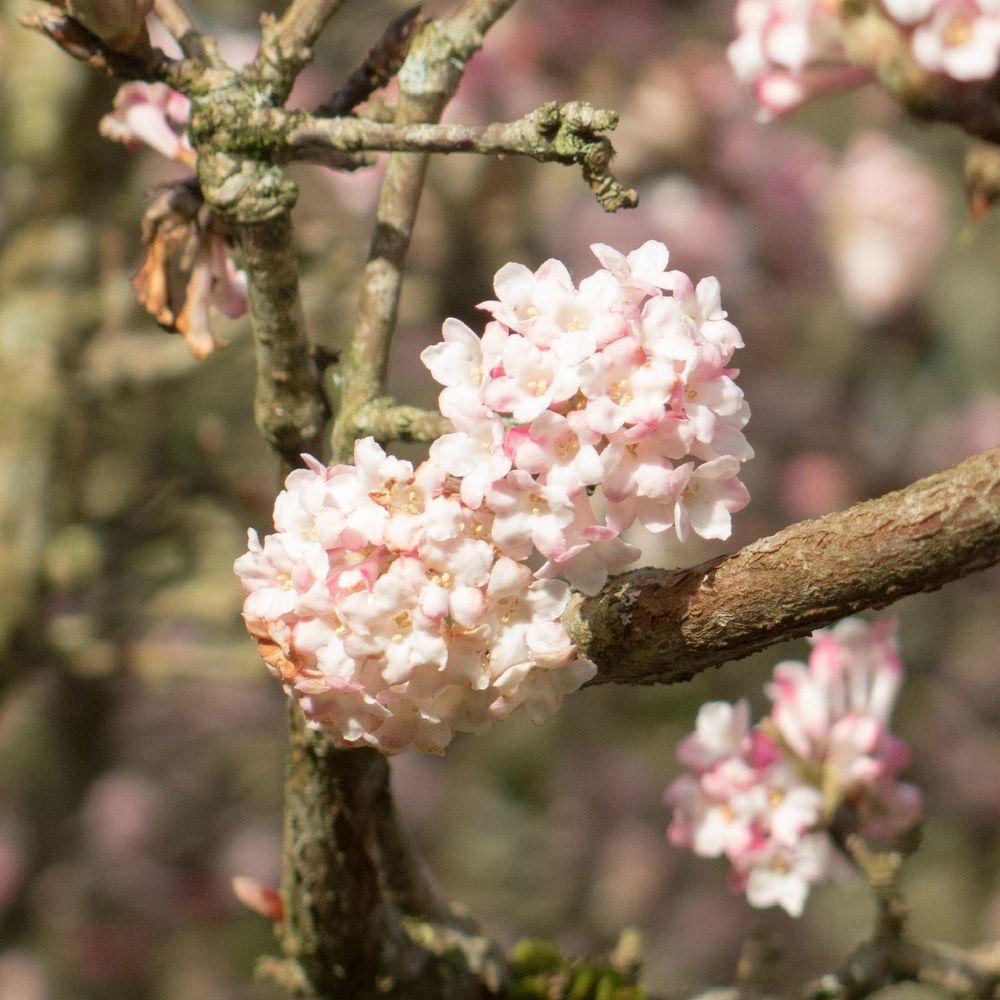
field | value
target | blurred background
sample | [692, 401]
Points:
[141, 740]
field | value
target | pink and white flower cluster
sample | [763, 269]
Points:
[391, 615]
[583, 409]
[154, 114]
[399, 605]
[958, 38]
[790, 51]
[774, 798]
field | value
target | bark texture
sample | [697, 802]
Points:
[655, 627]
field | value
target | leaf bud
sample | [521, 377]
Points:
[120, 24]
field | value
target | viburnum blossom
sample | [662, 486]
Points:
[400, 605]
[620, 386]
[790, 51]
[770, 797]
[387, 611]
[188, 271]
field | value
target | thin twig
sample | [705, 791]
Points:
[379, 67]
[428, 79]
[568, 133]
[177, 22]
[286, 45]
[74, 39]
[655, 627]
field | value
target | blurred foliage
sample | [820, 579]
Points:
[141, 740]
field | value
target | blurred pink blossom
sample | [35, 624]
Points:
[885, 225]
[790, 51]
[153, 114]
[813, 484]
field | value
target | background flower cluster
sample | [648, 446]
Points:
[778, 799]
[792, 50]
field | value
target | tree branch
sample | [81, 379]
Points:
[289, 404]
[286, 46]
[428, 79]
[75, 40]
[656, 627]
[879, 44]
[379, 66]
[177, 22]
[568, 133]
[386, 421]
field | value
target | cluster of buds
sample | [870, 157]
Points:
[188, 270]
[399, 605]
[776, 799]
[790, 51]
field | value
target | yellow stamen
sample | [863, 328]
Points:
[958, 32]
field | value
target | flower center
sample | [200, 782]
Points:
[958, 32]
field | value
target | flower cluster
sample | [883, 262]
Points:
[188, 270]
[154, 114]
[399, 605]
[771, 798]
[621, 384]
[792, 50]
[391, 617]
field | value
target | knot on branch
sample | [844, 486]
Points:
[574, 131]
[244, 190]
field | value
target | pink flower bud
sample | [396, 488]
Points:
[120, 24]
[259, 898]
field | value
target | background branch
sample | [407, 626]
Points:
[655, 627]
[380, 65]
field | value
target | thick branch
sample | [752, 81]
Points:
[570, 133]
[340, 813]
[656, 627]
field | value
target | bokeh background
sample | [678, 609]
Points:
[141, 740]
